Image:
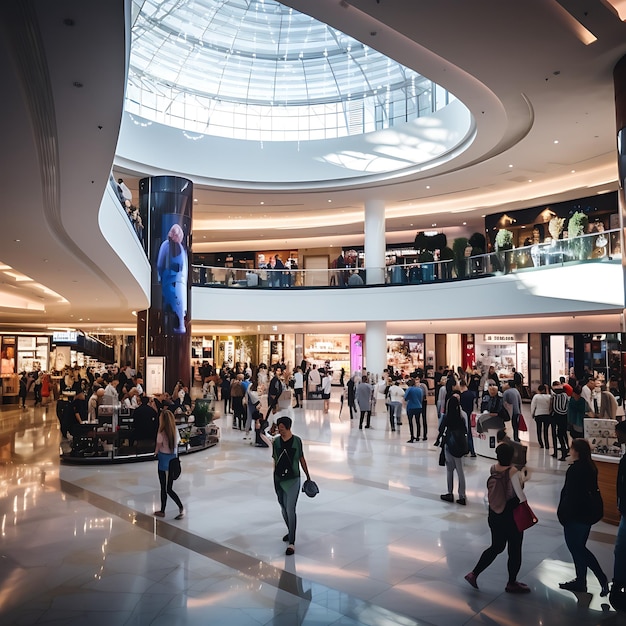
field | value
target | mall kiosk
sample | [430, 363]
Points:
[110, 439]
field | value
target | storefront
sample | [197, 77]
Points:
[405, 353]
[504, 352]
[21, 353]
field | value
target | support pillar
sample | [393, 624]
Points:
[376, 347]
[168, 202]
[619, 84]
[375, 242]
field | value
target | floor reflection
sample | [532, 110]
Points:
[376, 546]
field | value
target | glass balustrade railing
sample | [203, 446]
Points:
[604, 246]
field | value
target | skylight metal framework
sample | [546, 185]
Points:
[255, 69]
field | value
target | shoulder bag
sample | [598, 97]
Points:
[524, 516]
[175, 468]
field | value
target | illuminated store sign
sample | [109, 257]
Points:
[66, 336]
[499, 338]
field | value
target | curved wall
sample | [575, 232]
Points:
[217, 161]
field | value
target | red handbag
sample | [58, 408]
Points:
[524, 516]
[521, 424]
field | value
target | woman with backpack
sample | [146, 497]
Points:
[505, 492]
[580, 507]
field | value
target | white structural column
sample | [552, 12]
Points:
[375, 242]
[376, 347]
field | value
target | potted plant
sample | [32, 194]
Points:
[576, 228]
[447, 258]
[426, 259]
[555, 227]
[479, 245]
[203, 411]
[504, 242]
[460, 262]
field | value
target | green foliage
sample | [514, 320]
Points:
[577, 224]
[203, 411]
[504, 239]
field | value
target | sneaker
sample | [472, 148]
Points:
[411, 440]
[574, 585]
[290, 550]
[448, 497]
[517, 588]
[471, 579]
[462, 501]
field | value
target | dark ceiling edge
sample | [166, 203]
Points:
[30, 58]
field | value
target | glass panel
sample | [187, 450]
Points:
[215, 54]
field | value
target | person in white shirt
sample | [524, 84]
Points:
[326, 388]
[396, 396]
[591, 398]
[131, 400]
[541, 412]
[298, 386]
[92, 406]
[110, 392]
[314, 378]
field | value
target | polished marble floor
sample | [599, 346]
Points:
[377, 546]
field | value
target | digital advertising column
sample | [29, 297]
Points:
[168, 202]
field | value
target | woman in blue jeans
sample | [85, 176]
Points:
[580, 508]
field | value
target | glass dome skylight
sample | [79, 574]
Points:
[256, 69]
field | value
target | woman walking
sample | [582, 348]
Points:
[505, 493]
[166, 449]
[453, 436]
[579, 508]
[541, 410]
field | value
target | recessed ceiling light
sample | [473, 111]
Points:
[530, 180]
[434, 225]
[17, 240]
[510, 165]
[464, 223]
[262, 203]
[556, 141]
[573, 171]
[330, 201]
[427, 186]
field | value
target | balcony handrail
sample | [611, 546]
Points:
[598, 246]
